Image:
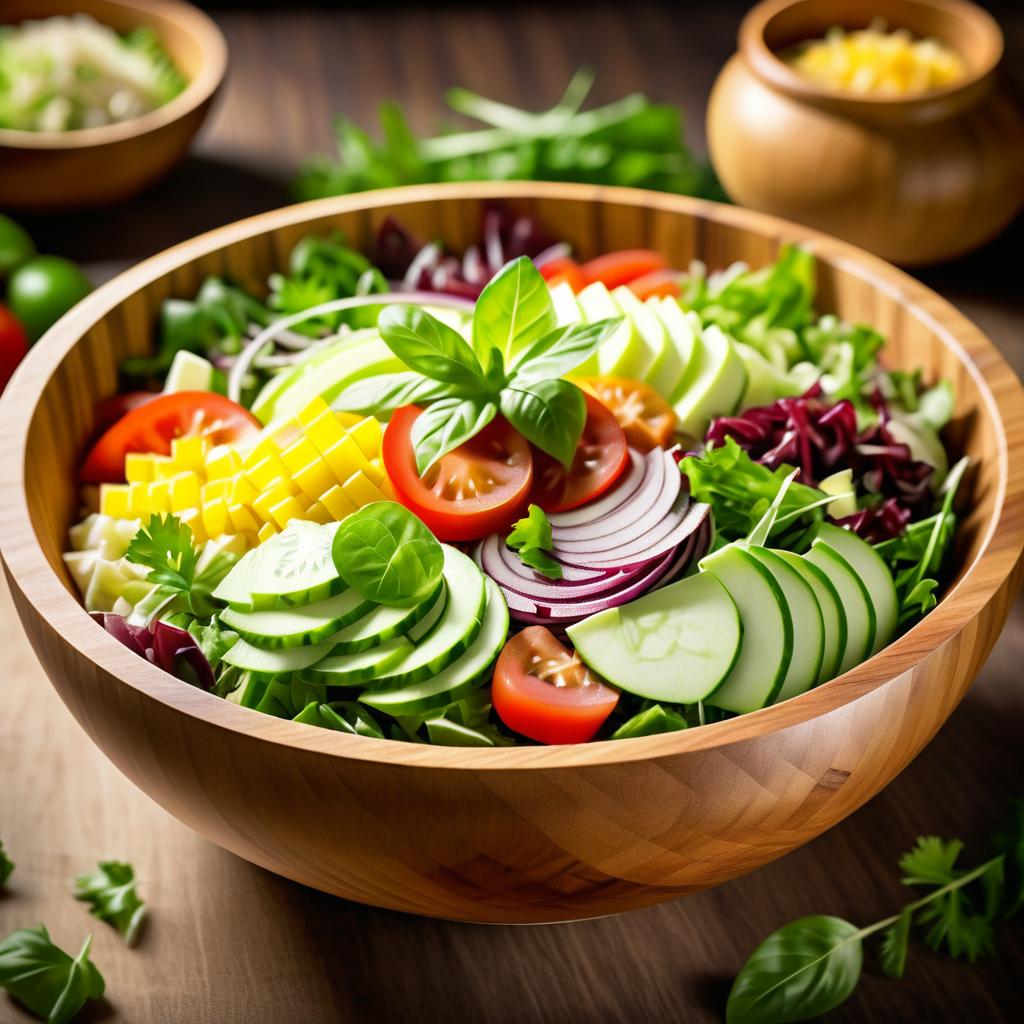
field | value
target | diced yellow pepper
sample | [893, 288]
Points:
[242, 491]
[316, 408]
[337, 502]
[114, 500]
[368, 433]
[387, 490]
[325, 431]
[223, 462]
[317, 513]
[272, 496]
[242, 518]
[160, 495]
[138, 500]
[374, 469]
[189, 452]
[315, 478]
[138, 468]
[263, 473]
[265, 447]
[184, 491]
[266, 531]
[360, 490]
[163, 467]
[345, 458]
[215, 517]
[349, 419]
[216, 489]
[285, 433]
[287, 510]
[194, 520]
[299, 455]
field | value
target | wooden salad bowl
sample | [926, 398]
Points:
[531, 833]
[102, 166]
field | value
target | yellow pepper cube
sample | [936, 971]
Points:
[114, 500]
[163, 467]
[325, 431]
[216, 489]
[360, 490]
[272, 496]
[215, 517]
[387, 490]
[374, 469]
[368, 433]
[264, 472]
[349, 419]
[223, 462]
[189, 452]
[299, 455]
[316, 408]
[345, 458]
[193, 519]
[317, 513]
[243, 519]
[242, 491]
[184, 491]
[160, 495]
[138, 500]
[315, 479]
[266, 531]
[285, 433]
[138, 468]
[337, 502]
[284, 512]
[265, 447]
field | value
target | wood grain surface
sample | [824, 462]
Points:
[228, 942]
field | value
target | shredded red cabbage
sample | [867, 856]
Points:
[166, 646]
[820, 438]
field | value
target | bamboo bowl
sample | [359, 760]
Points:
[103, 166]
[527, 834]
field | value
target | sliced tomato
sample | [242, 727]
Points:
[657, 282]
[563, 269]
[615, 268]
[479, 488]
[152, 426]
[13, 344]
[646, 418]
[542, 690]
[600, 457]
[111, 409]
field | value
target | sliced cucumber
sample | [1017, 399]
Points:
[455, 631]
[295, 567]
[808, 624]
[650, 328]
[855, 601]
[384, 622]
[422, 629]
[767, 647]
[873, 573]
[625, 353]
[247, 656]
[461, 677]
[675, 644]
[684, 334]
[715, 388]
[300, 627]
[567, 309]
[349, 669]
[832, 614]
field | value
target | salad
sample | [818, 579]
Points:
[504, 496]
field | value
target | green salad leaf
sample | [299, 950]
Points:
[213, 639]
[445, 425]
[513, 311]
[652, 721]
[45, 979]
[431, 348]
[6, 865]
[549, 414]
[559, 352]
[164, 545]
[531, 538]
[385, 553]
[111, 891]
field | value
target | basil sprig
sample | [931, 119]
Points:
[514, 366]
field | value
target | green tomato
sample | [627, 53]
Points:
[42, 290]
[16, 247]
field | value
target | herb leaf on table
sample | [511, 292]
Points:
[111, 891]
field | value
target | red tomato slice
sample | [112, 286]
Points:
[111, 409]
[617, 268]
[13, 345]
[543, 691]
[152, 426]
[646, 418]
[600, 457]
[479, 488]
[657, 282]
[563, 269]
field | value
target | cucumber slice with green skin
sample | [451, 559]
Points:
[457, 628]
[300, 627]
[625, 353]
[685, 334]
[676, 644]
[651, 330]
[419, 632]
[461, 677]
[808, 624]
[767, 647]
[666, 371]
[567, 309]
[874, 574]
[832, 614]
[855, 601]
[383, 622]
[295, 567]
[247, 656]
[716, 387]
[350, 669]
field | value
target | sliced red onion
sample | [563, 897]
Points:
[607, 503]
[424, 260]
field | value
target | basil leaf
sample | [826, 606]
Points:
[43, 978]
[386, 554]
[430, 347]
[111, 889]
[513, 311]
[549, 414]
[803, 970]
[560, 351]
[445, 425]
[387, 391]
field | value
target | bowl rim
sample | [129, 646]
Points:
[1001, 546]
[200, 88]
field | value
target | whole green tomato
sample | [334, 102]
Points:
[42, 290]
[16, 247]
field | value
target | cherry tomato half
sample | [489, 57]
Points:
[646, 418]
[543, 691]
[615, 268]
[657, 282]
[13, 345]
[563, 269]
[111, 409]
[600, 457]
[479, 488]
[152, 426]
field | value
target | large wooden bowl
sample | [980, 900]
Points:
[526, 834]
[103, 166]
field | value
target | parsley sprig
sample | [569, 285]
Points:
[531, 538]
[111, 891]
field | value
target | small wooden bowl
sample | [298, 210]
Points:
[524, 834]
[103, 166]
[914, 179]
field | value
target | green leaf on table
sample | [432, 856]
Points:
[445, 425]
[111, 891]
[531, 538]
[386, 554]
[892, 954]
[1010, 843]
[549, 414]
[431, 347]
[6, 865]
[560, 351]
[164, 545]
[803, 970]
[513, 311]
[45, 979]
[373, 396]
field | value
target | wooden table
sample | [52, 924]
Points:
[227, 942]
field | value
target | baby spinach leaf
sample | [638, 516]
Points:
[111, 889]
[381, 394]
[385, 553]
[560, 351]
[803, 970]
[513, 311]
[44, 979]
[531, 537]
[549, 414]
[6, 865]
[431, 347]
[447, 424]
